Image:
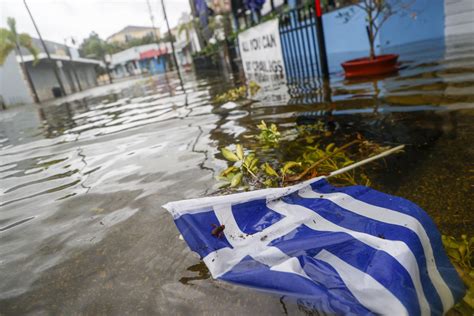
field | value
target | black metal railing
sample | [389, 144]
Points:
[300, 48]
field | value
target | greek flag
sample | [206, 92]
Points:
[349, 250]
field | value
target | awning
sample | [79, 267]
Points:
[41, 56]
[153, 53]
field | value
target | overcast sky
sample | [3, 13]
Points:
[58, 19]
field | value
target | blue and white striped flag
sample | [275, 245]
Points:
[348, 250]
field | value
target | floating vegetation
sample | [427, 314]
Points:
[243, 165]
[294, 156]
[269, 136]
[237, 94]
[461, 253]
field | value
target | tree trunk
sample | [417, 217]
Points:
[107, 69]
[227, 32]
[372, 48]
[371, 35]
[27, 75]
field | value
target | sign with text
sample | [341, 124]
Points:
[262, 58]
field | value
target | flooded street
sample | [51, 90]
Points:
[82, 230]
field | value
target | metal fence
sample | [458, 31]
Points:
[300, 48]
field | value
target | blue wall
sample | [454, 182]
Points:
[346, 36]
[346, 39]
[154, 65]
[422, 21]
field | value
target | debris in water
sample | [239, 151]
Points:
[217, 231]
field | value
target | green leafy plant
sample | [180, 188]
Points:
[253, 88]
[239, 93]
[461, 253]
[233, 95]
[243, 164]
[11, 40]
[290, 159]
[269, 135]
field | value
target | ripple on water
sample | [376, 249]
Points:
[82, 181]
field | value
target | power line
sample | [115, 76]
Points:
[172, 45]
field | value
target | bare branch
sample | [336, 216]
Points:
[377, 28]
[359, 6]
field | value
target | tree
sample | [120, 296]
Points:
[11, 41]
[168, 38]
[378, 12]
[97, 48]
[94, 47]
[187, 28]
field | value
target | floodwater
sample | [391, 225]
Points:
[82, 230]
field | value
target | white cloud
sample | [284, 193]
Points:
[58, 19]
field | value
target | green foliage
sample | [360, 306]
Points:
[95, 47]
[239, 93]
[461, 253]
[253, 88]
[294, 157]
[210, 50]
[10, 40]
[187, 27]
[233, 95]
[243, 164]
[269, 136]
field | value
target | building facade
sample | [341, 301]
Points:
[137, 60]
[131, 32]
[13, 87]
[75, 73]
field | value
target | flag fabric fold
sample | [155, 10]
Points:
[349, 250]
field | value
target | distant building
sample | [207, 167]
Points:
[76, 74]
[149, 58]
[13, 85]
[131, 32]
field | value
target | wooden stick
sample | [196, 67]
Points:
[366, 161]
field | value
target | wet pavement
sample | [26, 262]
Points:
[82, 230]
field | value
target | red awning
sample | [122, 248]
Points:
[153, 53]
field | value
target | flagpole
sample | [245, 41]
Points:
[55, 70]
[366, 161]
[172, 45]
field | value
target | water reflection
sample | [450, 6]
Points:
[202, 273]
[83, 181]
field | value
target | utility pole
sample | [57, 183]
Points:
[172, 44]
[27, 74]
[107, 69]
[72, 62]
[55, 67]
[152, 18]
[323, 59]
